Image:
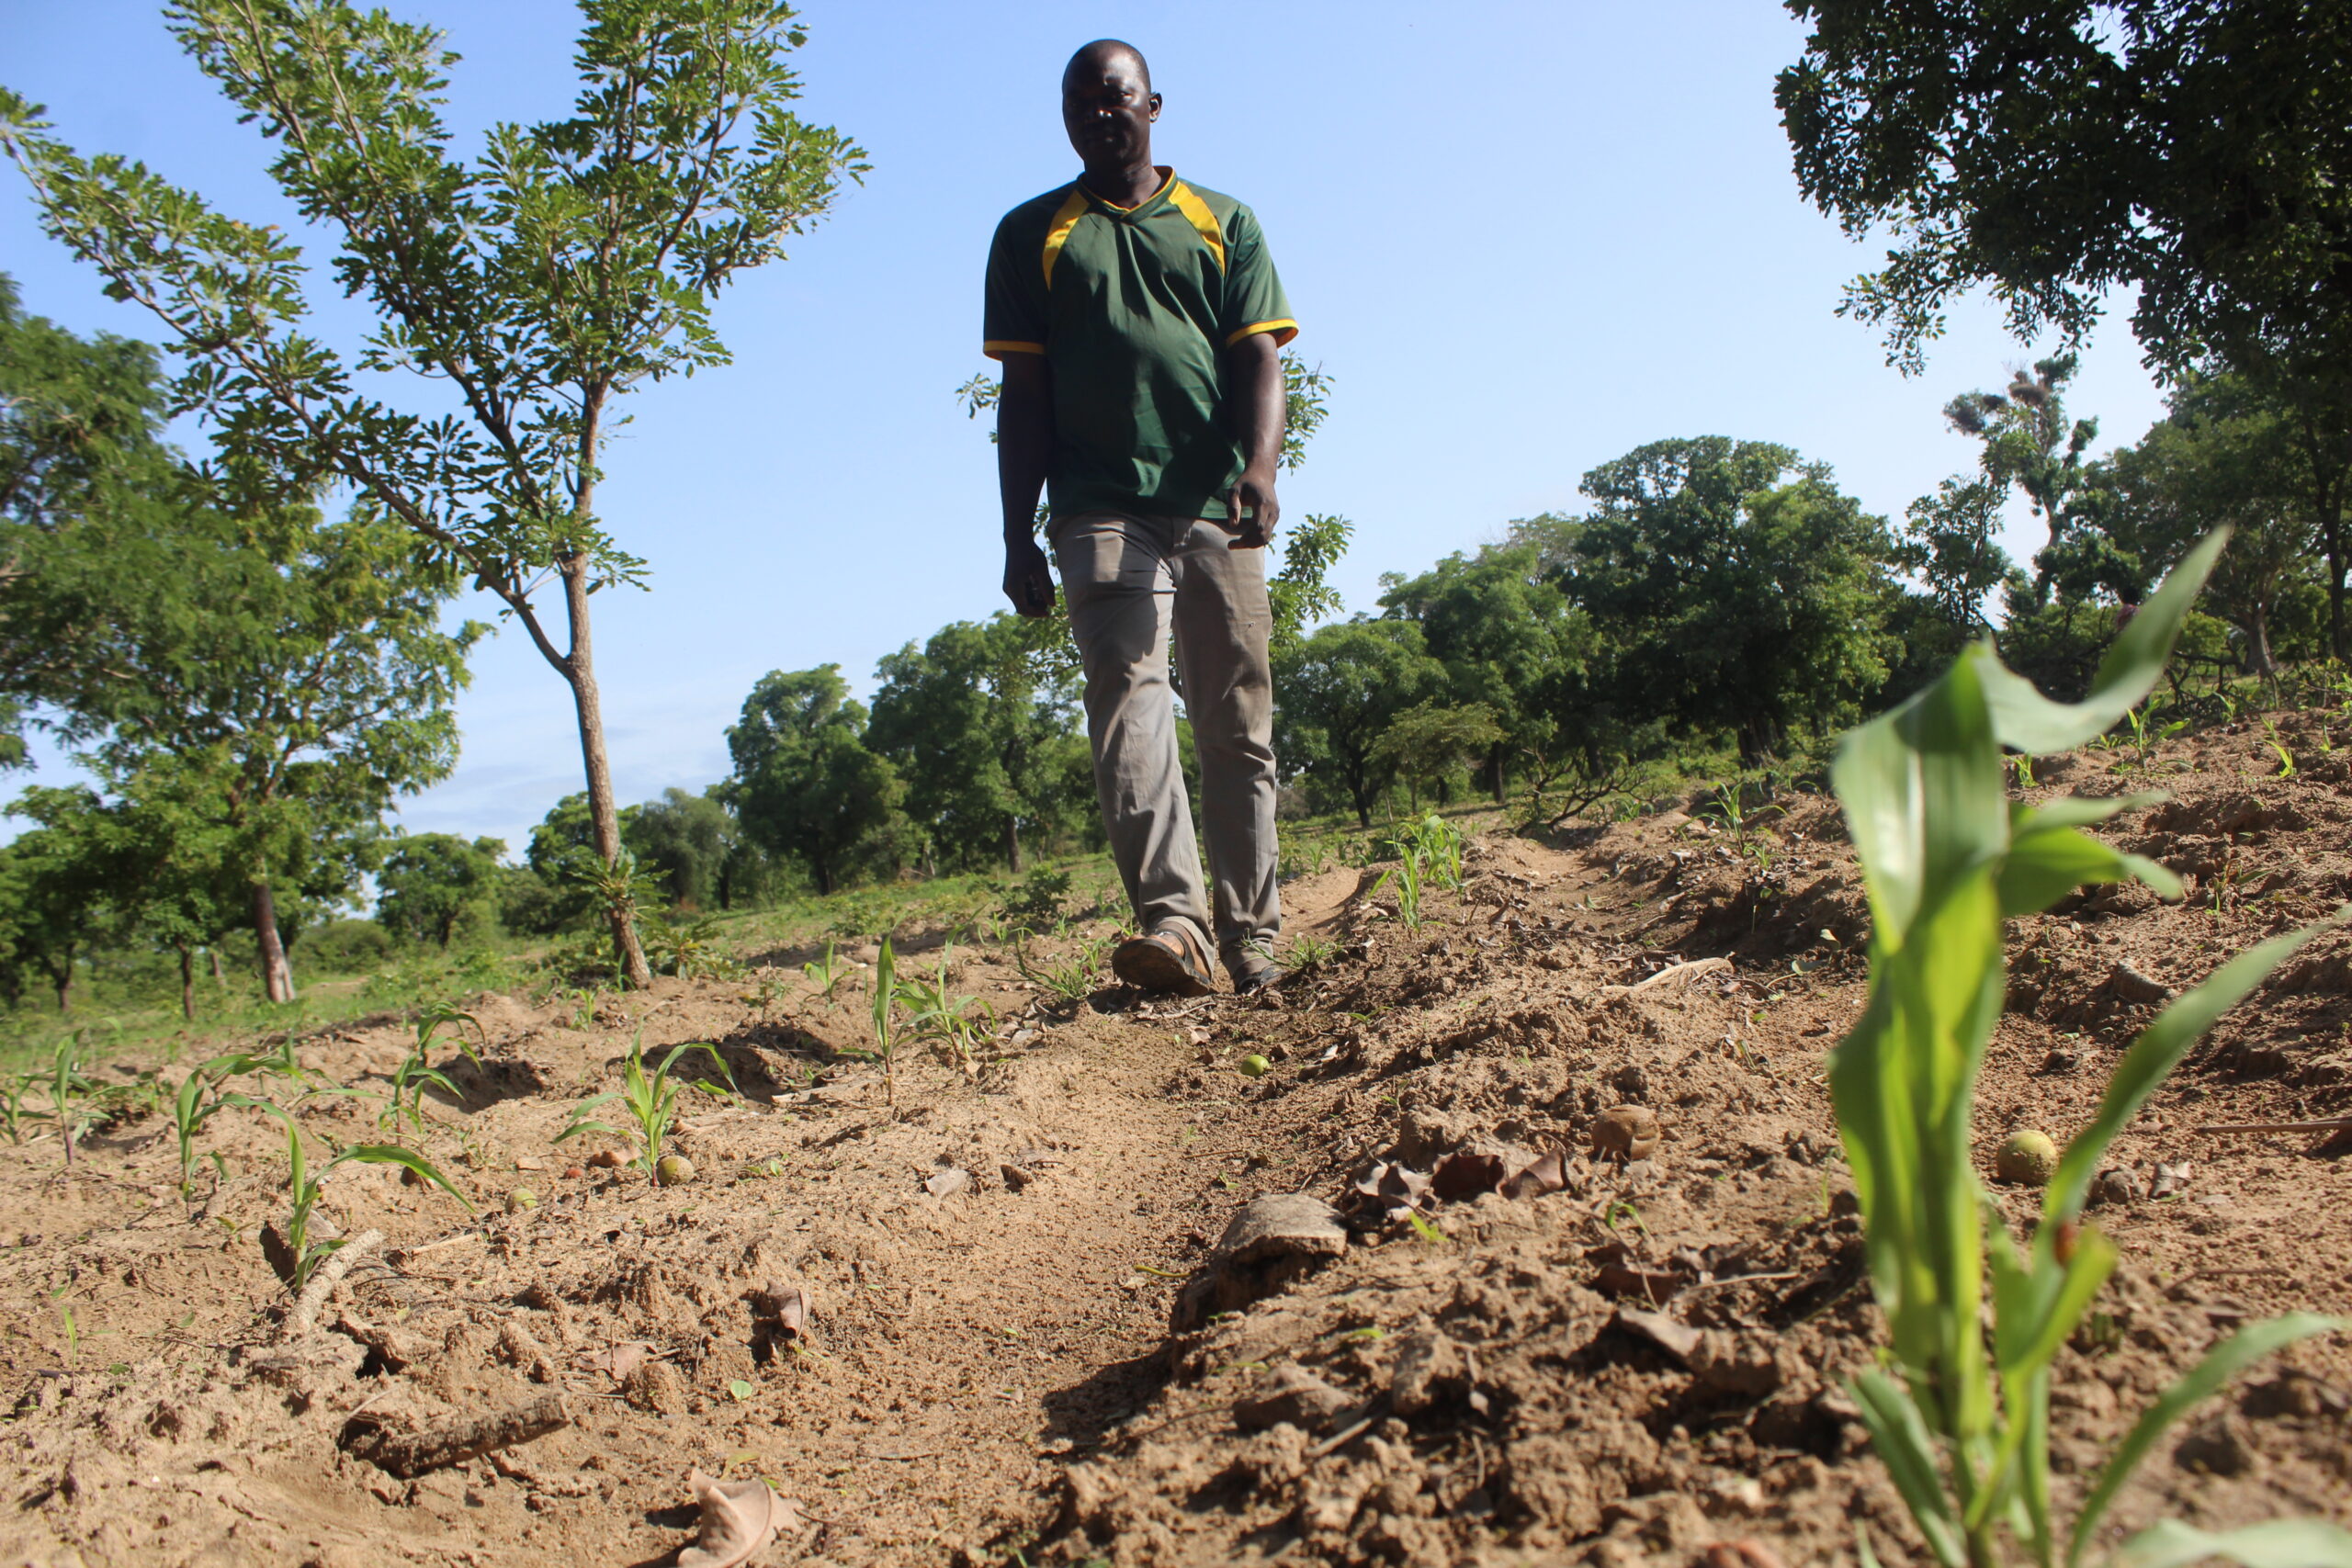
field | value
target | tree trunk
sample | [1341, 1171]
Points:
[220, 976]
[1013, 844]
[824, 870]
[188, 982]
[277, 975]
[2259, 658]
[63, 980]
[580, 670]
[1497, 760]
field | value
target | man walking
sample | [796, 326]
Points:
[1139, 323]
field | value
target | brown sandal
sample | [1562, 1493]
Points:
[1168, 960]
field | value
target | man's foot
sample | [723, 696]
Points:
[1170, 960]
[1252, 971]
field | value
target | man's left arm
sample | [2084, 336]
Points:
[1260, 403]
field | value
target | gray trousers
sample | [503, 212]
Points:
[1130, 581]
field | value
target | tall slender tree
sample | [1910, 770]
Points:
[575, 260]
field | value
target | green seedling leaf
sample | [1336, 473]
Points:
[738, 1390]
[407, 1159]
[2200, 1383]
[1901, 1438]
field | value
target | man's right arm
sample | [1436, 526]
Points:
[1025, 447]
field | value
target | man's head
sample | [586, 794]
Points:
[1108, 106]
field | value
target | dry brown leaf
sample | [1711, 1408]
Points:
[1547, 1174]
[738, 1520]
[954, 1179]
[1465, 1175]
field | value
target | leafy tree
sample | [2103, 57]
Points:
[805, 782]
[59, 888]
[324, 691]
[575, 260]
[2190, 150]
[980, 727]
[431, 884]
[1737, 589]
[692, 845]
[2221, 455]
[1508, 639]
[1428, 742]
[82, 468]
[1336, 690]
[1952, 540]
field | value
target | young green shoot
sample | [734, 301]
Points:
[304, 1185]
[416, 1073]
[648, 1101]
[1960, 1412]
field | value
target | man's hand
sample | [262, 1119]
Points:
[1028, 579]
[1252, 510]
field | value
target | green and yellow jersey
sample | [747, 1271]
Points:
[1135, 308]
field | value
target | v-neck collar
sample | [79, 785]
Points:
[1166, 183]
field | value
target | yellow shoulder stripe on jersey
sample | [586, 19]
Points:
[996, 348]
[1283, 329]
[1065, 219]
[1197, 212]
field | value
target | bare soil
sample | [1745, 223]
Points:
[1000, 1359]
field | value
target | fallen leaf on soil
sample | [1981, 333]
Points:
[1464, 1174]
[1676, 1339]
[1393, 1188]
[738, 1520]
[954, 1179]
[1549, 1173]
[779, 1317]
[1017, 1179]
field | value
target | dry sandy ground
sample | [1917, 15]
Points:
[1000, 1362]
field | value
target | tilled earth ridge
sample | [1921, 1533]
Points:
[1643, 1364]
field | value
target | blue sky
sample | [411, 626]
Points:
[1523, 238]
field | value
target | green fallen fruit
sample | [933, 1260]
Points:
[2026, 1157]
[674, 1170]
[1254, 1066]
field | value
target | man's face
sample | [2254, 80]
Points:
[1108, 107]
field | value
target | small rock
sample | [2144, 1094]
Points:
[2113, 1188]
[1017, 1179]
[604, 1159]
[1292, 1394]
